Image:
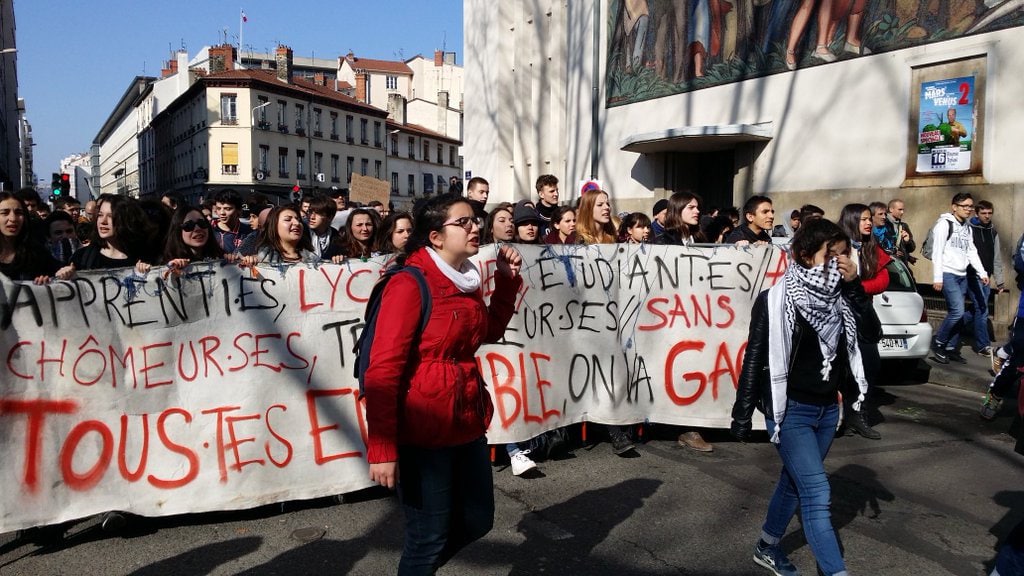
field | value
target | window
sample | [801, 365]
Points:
[318, 162]
[264, 159]
[228, 109]
[364, 166]
[262, 109]
[282, 162]
[364, 137]
[300, 164]
[334, 168]
[440, 154]
[229, 157]
[391, 82]
[412, 185]
[316, 122]
[376, 135]
[300, 113]
[376, 169]
[451, 155]
[441, 185]
[349, 127]
[426, 153]
[350, 165]
[334, 125]
[282, 122]
[428, 184]
[394, 183]
[412, 148]
[394, 144]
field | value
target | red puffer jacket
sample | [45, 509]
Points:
[432, 396]
[880, 281]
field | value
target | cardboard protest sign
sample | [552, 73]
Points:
[219, 389]
[365, 189]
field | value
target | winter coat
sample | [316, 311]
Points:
[431, 396]
[952, 253]
[880, 281]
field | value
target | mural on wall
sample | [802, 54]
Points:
[663, 47]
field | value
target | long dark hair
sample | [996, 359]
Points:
[487, 237]
[430, 217]
[387, 229]
[175, 247]
[807, 240]
[26, 248]
[849, 221]
[673, 218]
[352, 247]
[269, 236]
[135, 233]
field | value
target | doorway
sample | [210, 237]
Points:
[709, 174]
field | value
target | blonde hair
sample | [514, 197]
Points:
[587, 229]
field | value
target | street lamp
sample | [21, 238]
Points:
[252, 117]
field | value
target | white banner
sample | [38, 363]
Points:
[220, 389]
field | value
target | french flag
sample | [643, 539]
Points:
[244, 17]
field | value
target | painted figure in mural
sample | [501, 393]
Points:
[799, 25]
[635, 21]
[669, 40]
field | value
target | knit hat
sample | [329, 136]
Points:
[525, 212]
[659, 206]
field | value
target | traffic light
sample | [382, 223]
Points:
[55, 186]
[296, 193]
[65, 185]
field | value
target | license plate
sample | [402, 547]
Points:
[892, 344]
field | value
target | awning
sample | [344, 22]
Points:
[697, 138]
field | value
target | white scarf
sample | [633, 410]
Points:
[814, 293]
[466, 279]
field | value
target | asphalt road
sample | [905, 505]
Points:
[932, 497]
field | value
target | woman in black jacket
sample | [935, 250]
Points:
[801, 346]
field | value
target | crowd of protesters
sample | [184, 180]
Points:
[837, 268]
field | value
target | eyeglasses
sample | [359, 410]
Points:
[466, 222]
[965, 206]
[190, 225]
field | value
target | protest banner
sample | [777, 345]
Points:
[220, 389]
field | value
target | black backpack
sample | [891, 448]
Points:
[365, 341]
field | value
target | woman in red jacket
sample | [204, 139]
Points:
[871, 260]
[426, 406]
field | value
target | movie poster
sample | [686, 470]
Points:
[946, 125]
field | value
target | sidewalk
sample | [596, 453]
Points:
[974, 376]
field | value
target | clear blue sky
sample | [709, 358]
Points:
[75, 58]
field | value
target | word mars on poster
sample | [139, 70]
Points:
[219, 389]
[946, 125]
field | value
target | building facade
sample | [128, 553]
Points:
[744, 103]
[263, 131]
[10, 117]
[117, 144]
[27, 174]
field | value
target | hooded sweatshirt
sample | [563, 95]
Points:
[954, 252]
[986, 240]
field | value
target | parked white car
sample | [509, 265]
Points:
[906, 334]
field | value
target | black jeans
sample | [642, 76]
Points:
[448, 498]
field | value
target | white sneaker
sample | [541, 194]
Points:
[521, 463]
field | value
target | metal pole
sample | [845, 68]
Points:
[596, 92]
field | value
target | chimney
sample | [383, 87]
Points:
[171, 70]
[361, 94]
[222, 58]
[438, 58]
[319, 79]
[284, 64]
[396, 108]
[442, 112]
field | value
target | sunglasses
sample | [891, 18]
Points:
[190, 225]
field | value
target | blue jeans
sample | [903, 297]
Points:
[977, 319]
[805, 436]
[954, 289]
[448, 498]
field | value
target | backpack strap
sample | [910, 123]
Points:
[426, 300]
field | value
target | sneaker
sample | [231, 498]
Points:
[997, 362]
[991, 406]
[113, 522]
[955, 356]
[521, 463]
[939, 354]
[986, 351]
[621, 444]
[774, 559]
